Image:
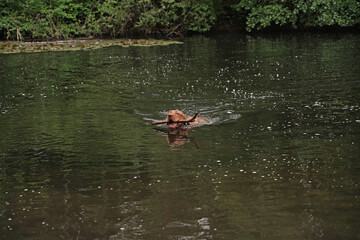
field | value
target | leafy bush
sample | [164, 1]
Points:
[299, 13]
[62, 19]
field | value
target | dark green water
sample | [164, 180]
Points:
[279, 158]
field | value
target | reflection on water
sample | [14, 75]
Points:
[79, 158]
[177, 137]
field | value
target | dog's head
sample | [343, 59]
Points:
[174, 116]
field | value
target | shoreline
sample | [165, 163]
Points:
[8, 47]
[82, 43]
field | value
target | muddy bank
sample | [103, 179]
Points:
[75, 45]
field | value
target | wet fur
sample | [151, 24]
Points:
[174, 116]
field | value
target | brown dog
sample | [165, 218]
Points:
[175, 115]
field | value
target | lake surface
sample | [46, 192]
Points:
[278, 159]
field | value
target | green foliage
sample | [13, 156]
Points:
[199, 15]
[62, 19]
[42, 19]
[328, 12]
[265, 14]
[299, 13]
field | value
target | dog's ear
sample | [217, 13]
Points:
[181, 114]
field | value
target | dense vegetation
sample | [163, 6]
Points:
[62, 19]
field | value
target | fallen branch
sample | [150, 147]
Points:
[189, 119]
